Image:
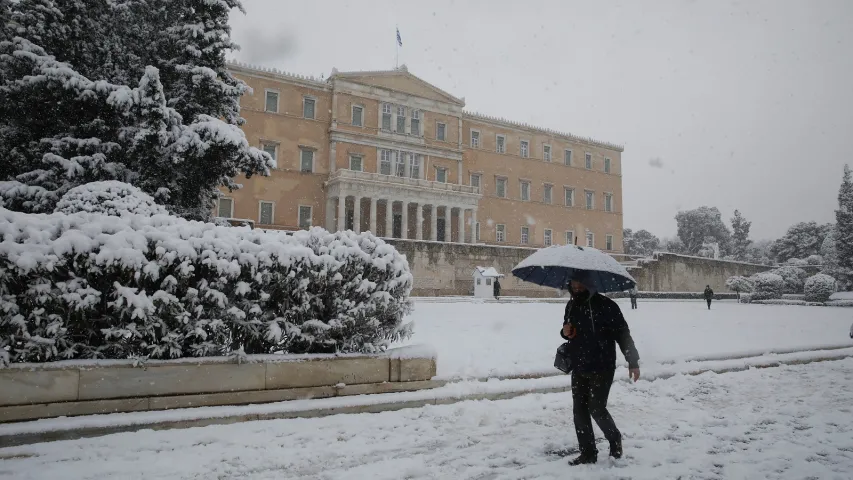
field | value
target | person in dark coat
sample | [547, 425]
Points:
[497, 289]
[633, 294]
[594, 324]
[709, 295]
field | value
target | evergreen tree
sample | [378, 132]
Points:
[699, 226]
[76, 62]
[844, 229]
[740, 236]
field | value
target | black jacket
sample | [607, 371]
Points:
[599, 325]
[497, 287]
[709, 294]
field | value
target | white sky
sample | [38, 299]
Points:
[744, 105]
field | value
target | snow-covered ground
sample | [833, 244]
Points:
[502, 339]
[785, 422]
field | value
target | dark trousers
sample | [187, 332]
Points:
[709, 303]
[589, 395]
[633, 303]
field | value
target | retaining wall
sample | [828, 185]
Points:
[32, 391]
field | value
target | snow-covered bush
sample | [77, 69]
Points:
[794, 277]
[814, 260]
[797, 262]
[92, 286]
[767, 285]
[746, 298]
[819, 288]
[739, 284]
[109, 198]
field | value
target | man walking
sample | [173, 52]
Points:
[633, 294]
[709, 295]
[496, 289]
[593, 324]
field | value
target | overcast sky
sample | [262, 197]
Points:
[745, 105]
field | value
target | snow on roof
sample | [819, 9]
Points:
[487, 272]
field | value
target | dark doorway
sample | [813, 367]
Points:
[398, 225]
[440, 230]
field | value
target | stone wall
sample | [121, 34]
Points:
[442, 269]
[669, 272]
[32, 391]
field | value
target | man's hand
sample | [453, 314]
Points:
[569, 330]
[634, 374]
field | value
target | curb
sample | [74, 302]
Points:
[72, 433]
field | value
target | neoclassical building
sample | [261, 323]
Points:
[388, 152]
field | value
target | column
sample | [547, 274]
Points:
[433, 232]
[356, 214]
[330, 214]
[373, 215]
[332, 154]
[404, 223]
[407, 166]
[474, 226]
[419, 217]
[342, 213]
[389, 218]
[459, 172]
[461, 233]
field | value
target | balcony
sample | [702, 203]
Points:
[378, 178]
[349, 182]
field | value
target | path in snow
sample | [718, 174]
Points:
[785, 422]
[491, 339]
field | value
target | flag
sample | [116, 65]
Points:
[399, 39]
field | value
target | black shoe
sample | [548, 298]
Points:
[616, 450]
[584, 459]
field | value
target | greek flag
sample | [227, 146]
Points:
[399, 39]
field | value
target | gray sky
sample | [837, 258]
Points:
[745, 105]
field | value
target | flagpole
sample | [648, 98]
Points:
[396, 48]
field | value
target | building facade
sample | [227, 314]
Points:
[390, 153]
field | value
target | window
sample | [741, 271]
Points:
[475, 139]
[440, 131]
[272, 150]
[524, 149]
[475, 181]
[546, 193]
[271, 102]
[400, 164]
[401, 119]
[590, 200]
[226, 207]
[358, 116]
[356, 163]
[500, 144]
[525, 191]
[590, 239]
[500, 233]
[588, 158]
[385, 162]
[416, 123]
[488, 281]
[547, 237]
[570, 197]
[500, 187]
[386, 116]
[308, 107]
[265, 215]
[608, 202]
[477, 231]
[608, 242]
[570, 237]
[441, 175]
[479, 281]
[307, 164]
[415, 165]
[567, 157]
[525, 234]
[305, 216]
[546, 153]
[606, 165]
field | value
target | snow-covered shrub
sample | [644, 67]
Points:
[767, 285]
[109, 198]
[794, 277]
[737, 283]
[746, 298]
[819, 288]
[92, 286]
[797, 262]
[814, 260]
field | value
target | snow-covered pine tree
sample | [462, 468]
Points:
[740, 236]
[81, 58]
[844, 230]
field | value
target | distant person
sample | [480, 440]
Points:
[633, 294]
[497, 289]
[709, 295]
